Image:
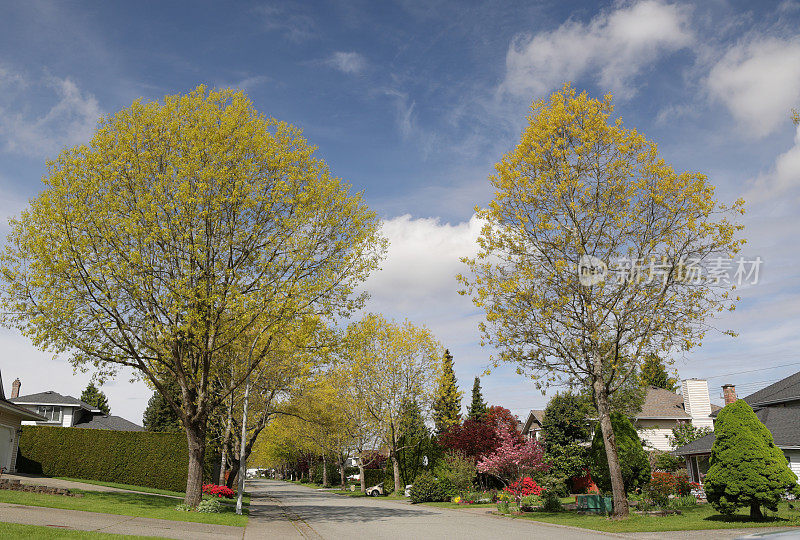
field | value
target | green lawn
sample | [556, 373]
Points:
[125, 504]
[700, 517]
[14, 530]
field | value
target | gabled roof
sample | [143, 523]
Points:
[536, 416]
[782, 422]
[107, 421]
[53, 398]
[662, 403]
[787, 389]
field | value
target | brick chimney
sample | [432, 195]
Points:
[729, 392]
[15, 386]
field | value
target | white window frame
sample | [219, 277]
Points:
[42, 410]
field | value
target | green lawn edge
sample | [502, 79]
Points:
[703, 517]
[125, 504]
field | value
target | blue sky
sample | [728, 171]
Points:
[413, 103]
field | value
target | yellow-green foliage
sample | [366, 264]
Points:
[747, 469]
[139, 458]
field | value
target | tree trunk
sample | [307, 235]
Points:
[396, 467]
[610, 444]
[361, 475]
[196, 440]
[755, 511]
[324, 471]
[225, 439]
[342, 480]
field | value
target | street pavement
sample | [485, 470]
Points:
[285, 510]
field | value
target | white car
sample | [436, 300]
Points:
[375, 491]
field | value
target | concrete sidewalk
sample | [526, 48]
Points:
[111, 523]
[34, 480]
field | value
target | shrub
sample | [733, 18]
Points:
[523, 488]
[210, 506]
[218, 491]
[551, 502]
[141, 458]
[747, 469]
[664, 461]
[373, 476]
[456, 470]
[502, 507]
[427, 488]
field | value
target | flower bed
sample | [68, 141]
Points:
[218, 491]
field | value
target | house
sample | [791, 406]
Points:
[662, 410]
[777, 406]
[67, 411]
[11, 417]
[532, 428]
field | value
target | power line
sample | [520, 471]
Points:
[752, 370]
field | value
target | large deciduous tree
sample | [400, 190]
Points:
[654, 373]
[180, 226]
[592, 252]
[390, 365]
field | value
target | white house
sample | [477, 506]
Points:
[11, 417]
[67, 411]
[662, 410]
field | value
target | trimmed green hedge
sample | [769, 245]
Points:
[140, 458]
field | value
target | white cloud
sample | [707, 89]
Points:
[423, 261]
[348, 62]
[615, 46]
[759, 82]
[68, 117]
[782, 178]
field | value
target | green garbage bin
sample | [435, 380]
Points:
[596, 504]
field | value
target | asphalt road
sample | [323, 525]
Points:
[316, 514]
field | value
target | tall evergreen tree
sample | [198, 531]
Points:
[747, 469]
[654, 373]
[478, 407]
[159, 416]
[94, 396]
[447, 404]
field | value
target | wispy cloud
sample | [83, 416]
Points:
[290, 19]
[615, 46]
[759, 82]
[67, 117]
[347, 62]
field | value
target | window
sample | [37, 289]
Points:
[51, 412]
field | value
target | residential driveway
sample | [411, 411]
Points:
[284, 510]
[110, 523]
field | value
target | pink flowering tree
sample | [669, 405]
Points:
[514, 459]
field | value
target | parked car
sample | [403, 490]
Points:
[375, 491]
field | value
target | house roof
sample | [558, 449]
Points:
[782, 422]
[661, 403]
[535, 416]
[107, 421]
[53, 398]
[787, 389]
